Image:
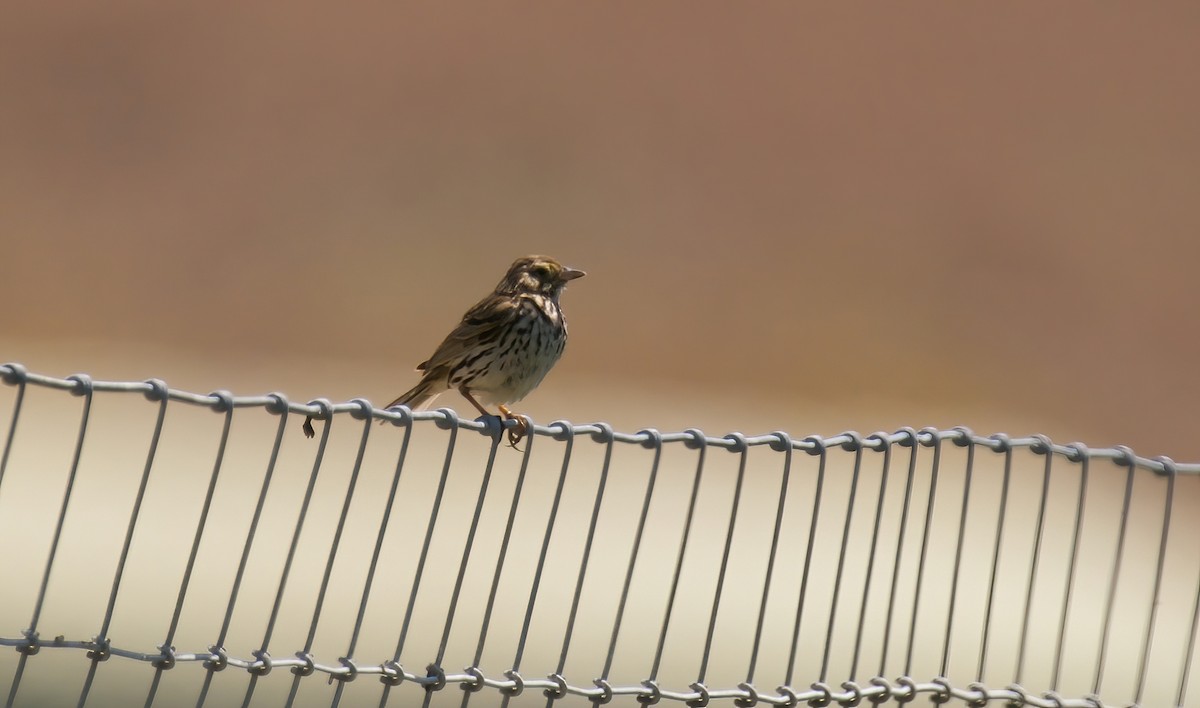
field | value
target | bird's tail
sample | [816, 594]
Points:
[417, 396]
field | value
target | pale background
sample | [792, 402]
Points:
[794, 216]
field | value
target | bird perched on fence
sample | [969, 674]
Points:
[504, 346]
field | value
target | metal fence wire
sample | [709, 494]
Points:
[170, 548]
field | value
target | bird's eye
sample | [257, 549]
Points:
[541, 271]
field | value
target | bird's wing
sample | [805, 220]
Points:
[482, 325]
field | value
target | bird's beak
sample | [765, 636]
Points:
[571, 274]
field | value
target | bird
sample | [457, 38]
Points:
[503, 347]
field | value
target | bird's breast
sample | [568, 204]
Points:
[526, 352]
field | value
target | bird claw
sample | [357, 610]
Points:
[518, 432]
[308, 428]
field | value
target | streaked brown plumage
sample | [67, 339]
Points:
[505, 344]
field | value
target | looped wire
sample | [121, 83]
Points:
[697, 440]
[1127, 457]
[219, 660]
[324, 408]
[1022, 698]
[365, 410]
[391, 673]
[351, 670]
[518, 686]
[83, 384]
[448, 420]
[559, 690]
[910, 694]
[31, 645]
[101, 649]
[855, 696]
[606, 694]
[702, 699]
[438, 674]
[222, 401]
[14, 373]
[403, 415]
[823, 700]
[493, 426]
[307, 668]
[654, 696]
[782, 441]
[158, 390]
[167, 661]
[883, 696]
[791, 700]
[605, 433]
[854, 444]
[928, 436]
[278, 405]
[739, 442]
[877, 441]
[750, 700]
[262, 666]
[1043, 446]
[477, 680]
[980, 700]
[563, 430]
[944, 692]
[1003, 442]
[653, 438]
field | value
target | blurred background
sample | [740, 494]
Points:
[800, 217]
[827, 216]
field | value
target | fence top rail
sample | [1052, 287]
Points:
[15, 374]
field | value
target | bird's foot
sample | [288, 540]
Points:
[518, 432]
[308, 428]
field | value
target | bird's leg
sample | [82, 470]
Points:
[467, 395]
[308, 427]
[519, 431]
[516, 433]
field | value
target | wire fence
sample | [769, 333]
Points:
[591, 566]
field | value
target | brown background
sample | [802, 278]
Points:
[949, 213]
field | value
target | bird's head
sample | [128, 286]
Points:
[538, 275]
